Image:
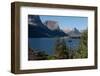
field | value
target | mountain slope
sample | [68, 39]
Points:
[37, 29]
[74, 33]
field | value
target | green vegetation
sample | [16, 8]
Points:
[82, 51]
[42, 55]
[61, 50]
[51, 57]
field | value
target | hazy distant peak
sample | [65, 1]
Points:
[66, 30]
[76, 30]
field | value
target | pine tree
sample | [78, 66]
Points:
[83, 48]
[61, 50]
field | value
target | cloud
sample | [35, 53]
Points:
[30, 21]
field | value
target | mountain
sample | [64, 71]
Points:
[52, 25]
[37, 29]
[74, 33]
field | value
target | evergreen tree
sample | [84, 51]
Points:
[83, 47]
[61, 50]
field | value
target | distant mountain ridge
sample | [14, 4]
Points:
[75, 33]
[37, 29]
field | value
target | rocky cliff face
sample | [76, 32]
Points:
[37, 29]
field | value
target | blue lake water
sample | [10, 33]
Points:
[48, 44]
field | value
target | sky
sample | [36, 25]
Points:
[68, 22]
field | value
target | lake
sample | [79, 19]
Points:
[48, 44]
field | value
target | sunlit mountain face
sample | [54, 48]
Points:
[52, 25]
